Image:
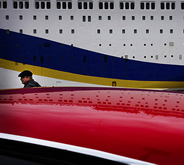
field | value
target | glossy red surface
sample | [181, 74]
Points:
[140, 124]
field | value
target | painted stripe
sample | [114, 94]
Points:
[7, 64]
[44, 53]
[73, 148]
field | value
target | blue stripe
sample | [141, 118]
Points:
[45, 53]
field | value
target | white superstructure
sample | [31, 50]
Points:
[142, 30]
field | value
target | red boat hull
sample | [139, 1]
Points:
[123, 122]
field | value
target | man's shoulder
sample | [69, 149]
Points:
[32, 83]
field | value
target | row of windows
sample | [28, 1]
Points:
[48, 44]
[21, 4]
[67, 4]
[89, 18]
[105, 57]
[135, 31]
[84, 59]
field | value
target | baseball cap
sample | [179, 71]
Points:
[25, 73]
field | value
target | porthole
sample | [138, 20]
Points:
[72, 31]
[7, 17]
[20, 17]
[46, 31]
[110, 31]
[34, 17]
[21, 31]
[123, 31]
[60, 31]
[46, 17]
[123, 17]
[109, 17]
[60, 17]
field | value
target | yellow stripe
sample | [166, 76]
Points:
[41, 71]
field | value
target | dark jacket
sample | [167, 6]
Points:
[31, 83]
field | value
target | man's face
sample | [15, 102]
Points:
[25, 79]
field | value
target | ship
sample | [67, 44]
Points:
[93, 43]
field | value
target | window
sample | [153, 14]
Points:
[7, 17]
[46, 31]
[123, 31]
[3, 4]
[63, 4]
[72, 17]
[162, 17]
[85, 17]
[60, 17]
[109, 17]
[72, 31]
[84, 59]
[147, 5]
[143, 17]
[182, 5]
[171, 31]
[156, 57]
[171, 43]
[167, 5]
[34, 31]
[46, 17]
[98, 31]
[106, 5]
[161, 31]
[20, 17]
[89, 18]
[34, 17]
[123, 17]
[170, 17]
[147, 31]
[99, 17]
[60, 31]
[42, 4]
[21, 31]
[110, 31]
[151, 17]
[133, 17]
[180, 57]
[21, 4]
[135, 31]
[85, 5]
[127, 5]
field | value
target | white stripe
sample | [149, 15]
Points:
[72, 148]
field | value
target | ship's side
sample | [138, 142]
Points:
[136, 44]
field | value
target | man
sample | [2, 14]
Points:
[27, 80]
